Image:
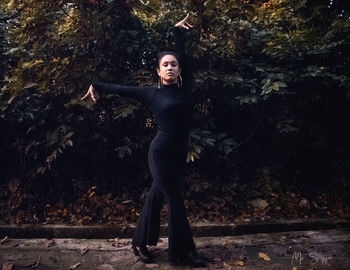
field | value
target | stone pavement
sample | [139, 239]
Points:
[310, 249]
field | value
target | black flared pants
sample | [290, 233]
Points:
[166, 160]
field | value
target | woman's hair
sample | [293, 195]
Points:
[162, 54]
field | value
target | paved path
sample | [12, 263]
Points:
[321, 249]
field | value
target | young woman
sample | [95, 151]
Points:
[172, 105]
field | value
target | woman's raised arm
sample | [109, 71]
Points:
[179, 32]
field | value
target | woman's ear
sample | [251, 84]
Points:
[158, 71]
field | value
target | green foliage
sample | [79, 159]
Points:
[56, 51]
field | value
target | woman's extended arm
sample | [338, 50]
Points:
[180, 39]
[136, 92]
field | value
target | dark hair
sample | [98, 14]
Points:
[162, 54]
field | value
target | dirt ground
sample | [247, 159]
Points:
[321, 249]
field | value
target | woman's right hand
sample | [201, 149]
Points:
[184, 23]
[92, 93]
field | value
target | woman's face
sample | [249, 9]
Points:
[169, 69]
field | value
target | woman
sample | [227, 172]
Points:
[172, 105]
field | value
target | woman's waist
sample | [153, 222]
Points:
[172, 134]
[170, 145]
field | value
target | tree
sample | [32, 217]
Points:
[264, 73]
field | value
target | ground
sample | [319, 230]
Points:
[311, 249]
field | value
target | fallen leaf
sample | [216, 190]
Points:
[50, 243]
[239, 263]
[4, 240]
[115, 240]
[74, 266]
[7, 266]
[228, 241]
[128, 201]
[87, 218]
[294, 268]
[152, 265]
[227, 266]
[217, 259]
[264, 256]
[83, 250]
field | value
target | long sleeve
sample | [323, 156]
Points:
[136, 92]
[186, 68]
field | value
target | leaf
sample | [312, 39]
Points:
[127, 201]
[281, 84]
[31, 64]
[29, 85]
[210, 142]
[4, 240]
[50, 243]
[239, 263]
[197, 149]
[237, 78]
[115, 240]
[194, 154]
[264, 256]
[228, 241]
[275, 86]
[152, 265]
[74, 266]
[227, 266]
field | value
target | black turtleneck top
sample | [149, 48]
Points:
[172, 105]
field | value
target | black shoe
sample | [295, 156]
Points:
[144, 255]
[191, 258]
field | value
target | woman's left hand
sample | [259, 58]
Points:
[91, 93]
[183, 23]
